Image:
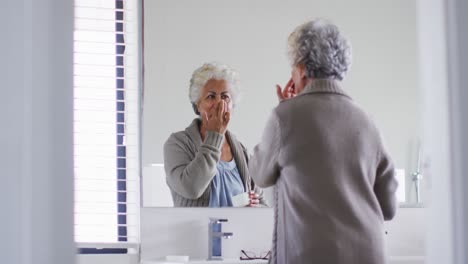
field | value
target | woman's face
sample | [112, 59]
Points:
[211, 94]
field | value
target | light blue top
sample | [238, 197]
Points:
[226, 183]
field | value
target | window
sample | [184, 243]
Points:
[106, 121]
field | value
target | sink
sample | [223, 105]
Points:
[201, 261]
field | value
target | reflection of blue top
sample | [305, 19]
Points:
[225, 184]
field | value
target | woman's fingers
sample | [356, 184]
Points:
[223, 114]
[279, 93]
[254, 196]
[225, 108]
[205, 117]
[291, 92]
[254, 202]
[220, 110]
[227, 117]
[289, 89]
[288, 92]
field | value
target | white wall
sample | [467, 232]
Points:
[36, 224]
[433, 73]
[448, 235]
[251, 37]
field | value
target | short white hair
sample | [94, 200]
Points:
[213, 70]
[321, 48]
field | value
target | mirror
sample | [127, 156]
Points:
[250, 36]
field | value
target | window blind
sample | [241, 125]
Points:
[106, 121]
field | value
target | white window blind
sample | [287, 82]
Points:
[106, 110]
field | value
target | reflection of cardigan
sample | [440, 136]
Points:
[334, 180]
[190, 164]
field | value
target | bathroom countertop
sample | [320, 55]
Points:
[201, 261]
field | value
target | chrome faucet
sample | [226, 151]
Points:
[417, 176]
[215, 234]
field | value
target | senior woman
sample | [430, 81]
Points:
[334, 180]
[206, 166]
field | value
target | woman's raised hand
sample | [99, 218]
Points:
[287, 93]
[217, 119]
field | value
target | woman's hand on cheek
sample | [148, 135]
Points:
[288, 92]
[217, 118]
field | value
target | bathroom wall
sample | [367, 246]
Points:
[433, 52]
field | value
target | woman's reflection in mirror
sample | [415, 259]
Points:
[206, 166]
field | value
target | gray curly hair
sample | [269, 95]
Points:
[319, 46]
[213, 70]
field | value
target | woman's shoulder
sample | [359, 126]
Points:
[178, 137]
[179, 142]
[186, 135]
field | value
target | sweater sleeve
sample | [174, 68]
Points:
[386, 185]
[190, 177]
[251, 184]
[263, 165]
